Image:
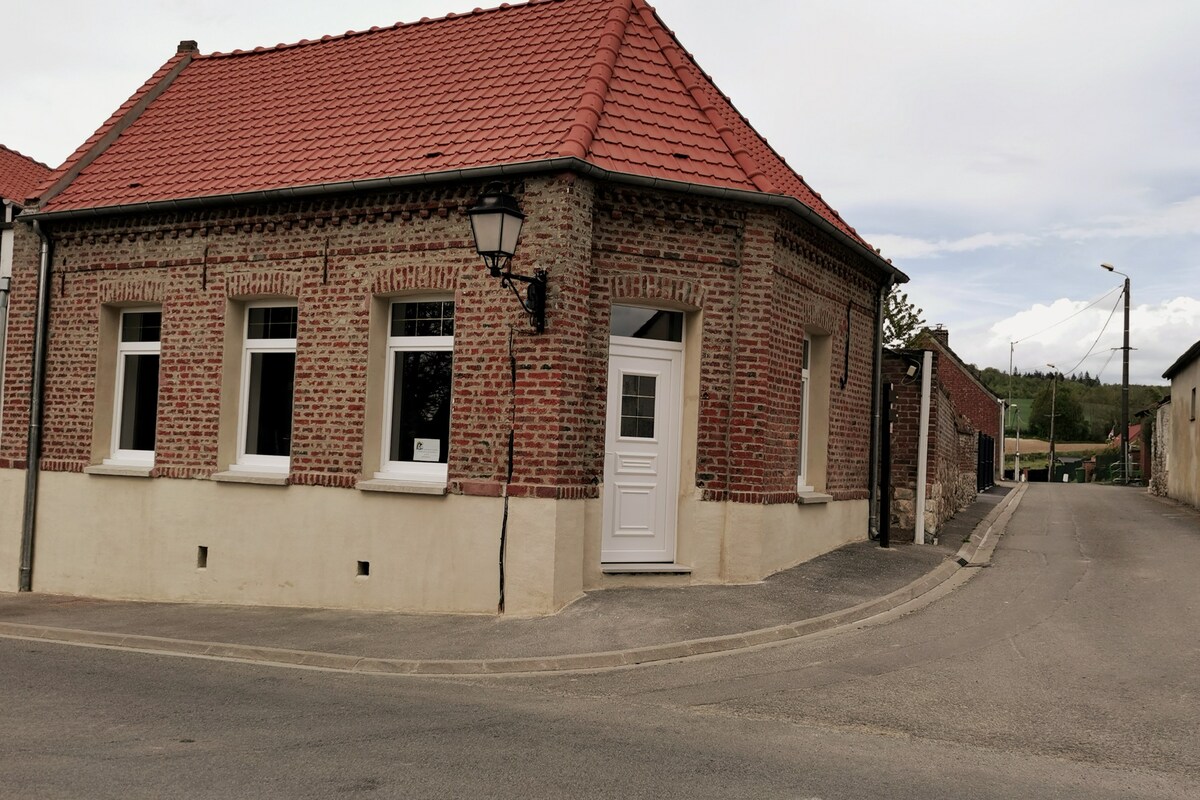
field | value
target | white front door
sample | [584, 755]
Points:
[641, 469]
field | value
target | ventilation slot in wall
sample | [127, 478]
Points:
[202, 557]
[364, 569]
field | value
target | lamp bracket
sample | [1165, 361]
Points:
[534, 302]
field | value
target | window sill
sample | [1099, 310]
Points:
[401, 487]
[813, 498]
[258, 478]
[121, 470]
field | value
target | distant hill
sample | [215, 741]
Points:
[1100, 402]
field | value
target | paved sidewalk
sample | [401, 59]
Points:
[607, 628]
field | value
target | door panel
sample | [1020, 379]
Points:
[641, 483]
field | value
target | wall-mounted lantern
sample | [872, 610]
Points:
[496, 222]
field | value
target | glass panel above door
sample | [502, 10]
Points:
[636, 322]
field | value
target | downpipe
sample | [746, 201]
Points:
[873, 465]
[36, 395]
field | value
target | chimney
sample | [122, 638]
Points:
[187, 46]
[941, 336]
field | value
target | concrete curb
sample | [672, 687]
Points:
[976, 552]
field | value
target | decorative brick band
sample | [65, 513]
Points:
[657, 287]
[127, 290]
[181, 472]
[769, 498]
[410, 278]
[323, 479]
[254, 283]
[577, 492]
[477, 488]
[58, 465]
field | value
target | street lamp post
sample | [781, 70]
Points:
[1053, 399]
[1124, 382]
[1017, 463]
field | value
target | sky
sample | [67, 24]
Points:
[997, 152]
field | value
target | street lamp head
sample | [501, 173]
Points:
[496, 221]
[1108, 267]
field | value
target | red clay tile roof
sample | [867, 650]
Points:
[20, 175]
[599, 80]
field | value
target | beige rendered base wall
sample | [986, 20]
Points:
[138, 538]
[12, 490]
[737, 542]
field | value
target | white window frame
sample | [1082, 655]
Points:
[802, 477]
[252, 462]
[433, 473]
[119, 457]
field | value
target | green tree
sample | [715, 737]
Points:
[901, 319]
[1069, 421]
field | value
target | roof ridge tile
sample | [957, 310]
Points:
[448, 17]
[578, 141]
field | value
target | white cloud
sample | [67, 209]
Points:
[1177, 219]
[894, 246]
[1068, 334]
[1181, 218]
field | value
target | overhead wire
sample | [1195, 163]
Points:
[1111, 314]
[1077, 313]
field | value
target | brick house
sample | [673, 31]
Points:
[276, 371]
[959, 409]
[20, 176]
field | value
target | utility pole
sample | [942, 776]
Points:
[1124, 382]
[1053, 399]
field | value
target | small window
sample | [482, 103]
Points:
[136, 408]
[636, 322]
[637, 406]
[802, 481]
[420, 355]
[1193, 417]
[268, 383]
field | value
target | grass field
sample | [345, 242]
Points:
[1062, 448]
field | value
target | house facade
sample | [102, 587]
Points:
[20, 176]
[1180, 431]
[273, 370]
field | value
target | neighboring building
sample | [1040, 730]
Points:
[1160, 446]
[20, 176]
[982, 407]
[1182, 431]
[277, 372]
[960, 438]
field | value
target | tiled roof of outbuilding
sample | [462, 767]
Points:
[20, 175]
[599, 80]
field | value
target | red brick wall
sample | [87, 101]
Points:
[971, 399]
[756, 275]
[951, 457]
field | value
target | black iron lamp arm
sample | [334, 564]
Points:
[535, 308]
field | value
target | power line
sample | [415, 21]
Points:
[1102, 330]
[1072, 316]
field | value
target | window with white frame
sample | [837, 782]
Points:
[135, 410]
[420, 355]
[802, 477]
[268, 382]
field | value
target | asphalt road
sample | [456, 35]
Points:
[1067, 669]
